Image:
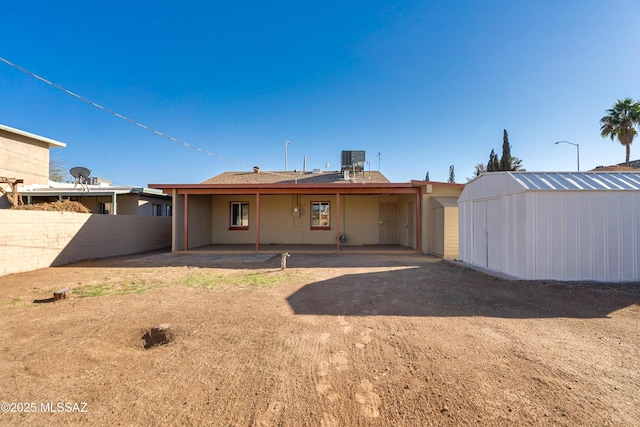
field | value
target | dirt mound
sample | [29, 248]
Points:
[58, 206]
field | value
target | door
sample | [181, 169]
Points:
[495, 225]
[388, 224]
[479, 215]
[487, 233]
[411, 238]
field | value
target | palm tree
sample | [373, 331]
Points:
[621, 121]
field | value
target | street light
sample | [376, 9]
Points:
[285, 155]
[577, 149]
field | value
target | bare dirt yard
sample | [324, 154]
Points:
[334, 340]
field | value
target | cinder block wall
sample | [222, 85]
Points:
[35, 239]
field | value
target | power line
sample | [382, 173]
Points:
[121, 116]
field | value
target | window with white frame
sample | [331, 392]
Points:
[156, 210]
[320, 215]
[239, 215]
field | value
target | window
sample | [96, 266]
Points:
[156, 210]
[168, 210]
[320, 215]
[239, 215]
[104, 208]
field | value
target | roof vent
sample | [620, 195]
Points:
[256, 169]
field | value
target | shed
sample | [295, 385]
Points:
[553, 225]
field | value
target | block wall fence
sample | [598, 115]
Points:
[30, 240]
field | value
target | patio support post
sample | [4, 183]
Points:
[114, 205]
[418, 229]
[338, 222]
[186, 222]
[257, 221]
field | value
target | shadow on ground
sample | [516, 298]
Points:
[441, 290]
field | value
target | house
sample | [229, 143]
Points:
[103, 198]
[24, 162]
[556, 225]
[24, 157]
[341, 209]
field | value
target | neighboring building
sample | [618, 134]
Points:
[104, 198]
[24, 156]
[633, 166]
[557, 225]
[351, 207]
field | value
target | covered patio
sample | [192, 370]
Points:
[301, 249]
[347, 216]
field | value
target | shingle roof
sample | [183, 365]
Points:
[290, 177]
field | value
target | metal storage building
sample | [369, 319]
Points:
[553, 225]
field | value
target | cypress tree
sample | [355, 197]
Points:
[505, 160]
[493, 165]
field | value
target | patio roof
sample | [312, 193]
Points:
[300, 188]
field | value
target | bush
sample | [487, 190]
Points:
[64, 206]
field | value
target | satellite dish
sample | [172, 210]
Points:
[80, 172]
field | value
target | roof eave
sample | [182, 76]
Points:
[51, 142]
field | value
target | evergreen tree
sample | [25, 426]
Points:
[426, 178]
[506, 163]
[452, 175]
[493, 164]
[505, 160]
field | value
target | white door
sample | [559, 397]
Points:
[495, 226]
[479, 233]
[487, 233]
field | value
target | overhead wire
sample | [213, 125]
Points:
[123, 117]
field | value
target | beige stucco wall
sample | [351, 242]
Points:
[360, 223]
[199, 220]
[279, 223]
[24, 158]
[37, 239]
[445, 241]
[359, 219]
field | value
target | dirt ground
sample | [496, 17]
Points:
[334, 340]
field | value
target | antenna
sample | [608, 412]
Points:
[379, 156]
[80, 174]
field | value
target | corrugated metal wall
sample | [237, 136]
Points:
[559, 235]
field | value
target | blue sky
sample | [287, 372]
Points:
[427, 84]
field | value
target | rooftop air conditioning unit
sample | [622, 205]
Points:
[353, 160]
